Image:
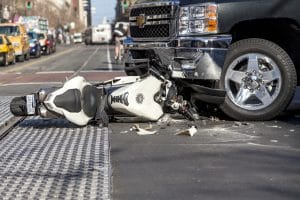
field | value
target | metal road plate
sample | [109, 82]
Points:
[5, 114]
[52, 159]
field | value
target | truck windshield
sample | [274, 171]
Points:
[147, 1]
[32, 35]
[41, 36]
[9, 30]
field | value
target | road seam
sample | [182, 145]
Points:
[30, 83]
[85, 63]
[55, 72]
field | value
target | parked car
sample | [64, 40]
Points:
[17, 34]
[43, 42]
[51, 43]
[7, 51]
[77, 38]
[247, 48]
[35, 48]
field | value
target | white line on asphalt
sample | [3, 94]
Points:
[100, 70]
[85, 63]
[31, 83]
[55, 72]
[109, 59]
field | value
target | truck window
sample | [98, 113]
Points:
[1, 40]
[10, 30]
[32, 35]
[41, 36]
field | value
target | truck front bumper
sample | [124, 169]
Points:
[186, 57]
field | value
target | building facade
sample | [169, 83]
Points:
[59, 12]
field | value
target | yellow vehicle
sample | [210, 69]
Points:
[18, 36]
[7, 51]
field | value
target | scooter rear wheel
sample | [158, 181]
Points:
[18, 106]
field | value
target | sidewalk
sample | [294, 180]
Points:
[5, 114]
[52, 159]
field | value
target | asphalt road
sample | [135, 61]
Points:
[223, 160]
[95, 63]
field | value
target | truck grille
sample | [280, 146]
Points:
[151, 11]
[150, 31]
[153, 22]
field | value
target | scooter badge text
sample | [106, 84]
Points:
[122, 99]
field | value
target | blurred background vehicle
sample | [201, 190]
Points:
[17, 34]
[35, 48]
[101, 34]
[7, 51]
[43, 42]
[51, 43]
[77, 38]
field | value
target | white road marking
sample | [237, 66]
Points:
[108, 59]
[31, 83]
[55, 72]
[83, 71]
[101, 70]
[41, 60]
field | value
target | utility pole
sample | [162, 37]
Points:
[90, 13]
[87, 7]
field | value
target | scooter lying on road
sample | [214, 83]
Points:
[148, 97]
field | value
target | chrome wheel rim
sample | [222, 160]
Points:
[253, 81]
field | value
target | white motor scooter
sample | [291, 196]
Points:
[81, 102]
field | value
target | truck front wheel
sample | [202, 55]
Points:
[21, 58]
[259, 78]
[5, 60]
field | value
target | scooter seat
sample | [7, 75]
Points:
[90, 98]
[70, 101]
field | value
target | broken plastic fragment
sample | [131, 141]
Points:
[189, 132]
[141, 131]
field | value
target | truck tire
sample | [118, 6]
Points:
[259, 78]
[5, 60]
[48, 52]
[27, 56]
[38, 53]
[21, 58]
[14, 60]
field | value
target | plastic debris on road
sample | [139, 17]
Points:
[143, 131]
[189, 132]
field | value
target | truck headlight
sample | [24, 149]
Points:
[198, 19]
[184, 13]
[197, 12]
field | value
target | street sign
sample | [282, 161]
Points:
[86, 4]
[29, 5]
[93, 10]
[125, 5]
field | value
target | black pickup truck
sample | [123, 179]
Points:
[249, 48]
